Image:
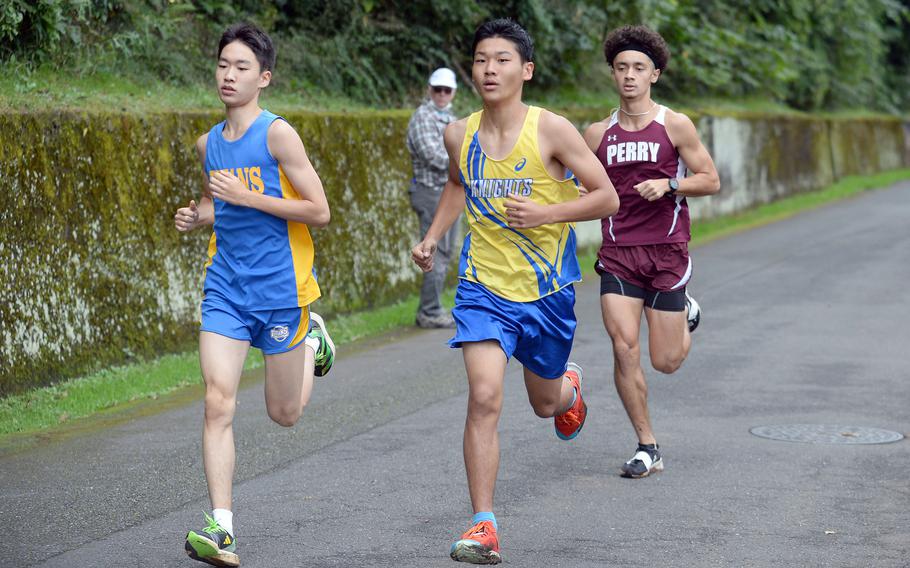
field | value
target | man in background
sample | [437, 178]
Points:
[431, 169]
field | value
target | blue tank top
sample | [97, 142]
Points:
[256, 261]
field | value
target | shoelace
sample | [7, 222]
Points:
[651, 454]
[569, 418]
[480, 529]
[213, 527]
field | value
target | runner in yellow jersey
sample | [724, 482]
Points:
[510, 168]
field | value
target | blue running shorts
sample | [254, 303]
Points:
[539, 334]
[272, 331]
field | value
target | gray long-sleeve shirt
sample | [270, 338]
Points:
[425, 143]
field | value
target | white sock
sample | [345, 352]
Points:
[312, 342]
[225, 518]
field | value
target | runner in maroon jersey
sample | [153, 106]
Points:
[644, 262]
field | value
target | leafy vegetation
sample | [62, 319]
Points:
[808, 55]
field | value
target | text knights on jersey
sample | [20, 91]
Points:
[493, 188]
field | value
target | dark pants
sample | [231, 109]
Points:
[424, 202]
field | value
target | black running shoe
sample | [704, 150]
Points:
[646, 460]
[693, 312]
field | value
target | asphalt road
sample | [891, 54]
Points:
[805, 322]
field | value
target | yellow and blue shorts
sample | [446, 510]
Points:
[272, 331]
[539, 334]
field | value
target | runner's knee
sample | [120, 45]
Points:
[285, 414]
[219, 407]
[626, 352]
[484, 402]
[667, 363]
[545, 407]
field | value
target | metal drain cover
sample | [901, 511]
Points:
[826, 434]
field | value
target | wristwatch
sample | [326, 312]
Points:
[674, 186]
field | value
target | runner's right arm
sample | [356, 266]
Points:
[193, 216]
[451, 202]
[593, 136]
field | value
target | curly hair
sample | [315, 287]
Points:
[639, 38]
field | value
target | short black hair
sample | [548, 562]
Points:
[639, 38]
[253, 37]
[509, 29]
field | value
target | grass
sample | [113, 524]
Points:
[45, 88]
[42, 408]
[45, 408]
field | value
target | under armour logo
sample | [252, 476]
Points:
[611, 138]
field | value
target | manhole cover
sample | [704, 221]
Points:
[827, 434]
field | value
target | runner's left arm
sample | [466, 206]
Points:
[285, 145]
[562, 141]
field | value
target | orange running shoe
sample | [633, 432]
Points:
[479, 545]
[569, 423]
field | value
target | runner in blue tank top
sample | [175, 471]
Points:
[644, 262]
[261, 193]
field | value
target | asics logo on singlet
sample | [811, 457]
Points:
[632, 152]
[494, 188]
[521, 164]
[280, 333]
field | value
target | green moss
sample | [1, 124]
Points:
[100, 276]
[794, 154]
[88, 248]
[865, 146]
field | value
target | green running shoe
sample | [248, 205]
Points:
[212, 545]
[325, 355]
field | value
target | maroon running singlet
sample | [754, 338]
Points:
[631, 158]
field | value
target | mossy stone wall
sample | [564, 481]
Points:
[761, 159]
[93, 272]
